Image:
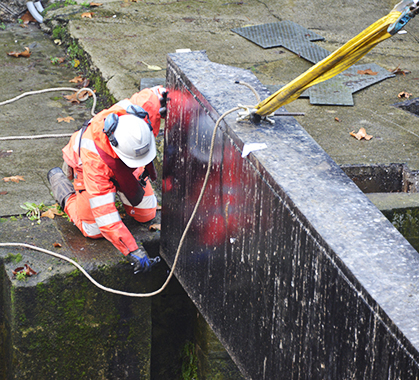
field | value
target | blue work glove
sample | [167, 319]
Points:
[140, 260]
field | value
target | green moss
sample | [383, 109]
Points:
[14, 258]
[189, 362]
[69, 326]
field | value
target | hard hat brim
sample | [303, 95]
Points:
[140, 161]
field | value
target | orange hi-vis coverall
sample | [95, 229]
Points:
[99, 174]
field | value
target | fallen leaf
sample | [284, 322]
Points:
[57, 245]
[337, 119]
[155, 227]
[398, 71]
[15, 178]
[77, 79]
[66, 119]
[18, 270]
[404, 95]
[95, 4]
[58, 42]
[367, 72]
[3, 192]
[27, 18]
[25, 54]
[50, 213]
[77, 99]
[72, 98]
[5, 153]
[151, 67]
[29, 271]
[87, 15]
[361, 134]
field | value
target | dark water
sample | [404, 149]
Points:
[407, 223]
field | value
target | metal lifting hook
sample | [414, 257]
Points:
[409, 9]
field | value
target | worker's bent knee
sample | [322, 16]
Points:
[141, 215]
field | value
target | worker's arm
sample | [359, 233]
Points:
[102, 193]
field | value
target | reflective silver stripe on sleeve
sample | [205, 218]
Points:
[107, 219]
[102, 200]
[150, 201]
[89, 144]
[91, 229]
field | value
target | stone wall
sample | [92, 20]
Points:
[295, 270]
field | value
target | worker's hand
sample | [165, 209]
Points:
[140, 260]
[161, 93]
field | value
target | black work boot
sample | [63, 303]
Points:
[61, 186]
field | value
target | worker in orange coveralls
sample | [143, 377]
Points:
[113, 154]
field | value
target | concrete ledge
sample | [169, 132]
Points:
[393, 201]
[294, 268]
[57, 324]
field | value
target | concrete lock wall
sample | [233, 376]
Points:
[295, 270]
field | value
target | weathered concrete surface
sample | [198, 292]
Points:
[296, 271]
[121, 35]
[57, 322]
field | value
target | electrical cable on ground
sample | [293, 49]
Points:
[43, 91]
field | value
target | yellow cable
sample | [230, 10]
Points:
[332, 65]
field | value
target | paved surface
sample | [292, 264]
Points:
[122, 37]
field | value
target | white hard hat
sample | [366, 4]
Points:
[136, 146]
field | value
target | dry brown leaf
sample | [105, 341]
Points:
[77, 79]
[337, 119]
[367, 72]
[57, 245]
[404, 95]
[361, 134]
[27, 18]
[398, 70]
[3, 192]
[27, 270]
[15, 178]
[25, 54]
[72, 98]
[95, 4]
[18, 270]
[50, 213]
[66, 119]
[155, 227]
[87, 15]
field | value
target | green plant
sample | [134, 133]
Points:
[58, 32]
[33, 211]
[2, 26]
[54, 60]
[74, 51]
[21, 276]
[189, 362]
